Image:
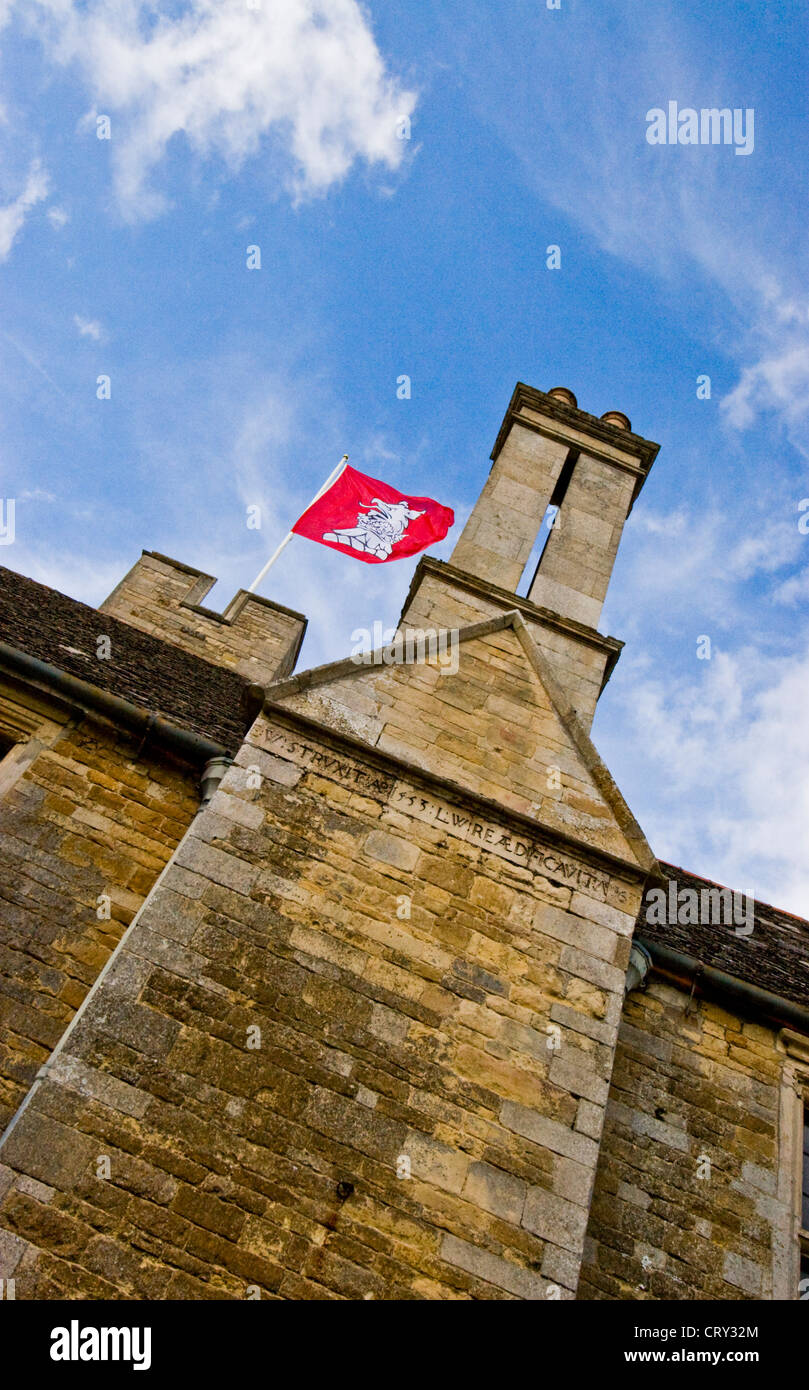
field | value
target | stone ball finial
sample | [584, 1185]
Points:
[617, 419]
[562, 394]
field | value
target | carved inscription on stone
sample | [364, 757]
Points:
[349, 772]
[528, 851]
[518, 849]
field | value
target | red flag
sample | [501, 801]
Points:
[372, 521]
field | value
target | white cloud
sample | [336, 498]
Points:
[683, 215]
[13, 215]
[779, 382]
[88, 328]
[88, 580]
[719, 758]
[793, 590]
[57, 217]
[688, 572]
[302, 77]
[715, 768]
[37, 494]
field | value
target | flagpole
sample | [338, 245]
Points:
[333, 476]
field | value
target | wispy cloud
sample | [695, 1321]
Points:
[303, 83]
[681, 571]
[731, 739]
[715, 767]
[36, 494]
[13, 215]
[779, 382]
[32, 361]
[682, 215]
[57, 217]
[88, 328]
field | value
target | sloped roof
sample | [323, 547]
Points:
[148, 671]
[774, 956]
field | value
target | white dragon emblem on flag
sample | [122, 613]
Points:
[379, 531]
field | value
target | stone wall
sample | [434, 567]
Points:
[81, 815]
[692, 1195]
[419, 1112]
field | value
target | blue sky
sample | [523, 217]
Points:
[255, 122]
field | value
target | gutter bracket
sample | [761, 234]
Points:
[695, 981]
[150, 723]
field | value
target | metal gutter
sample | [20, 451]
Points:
[91, 699]
[682, 968]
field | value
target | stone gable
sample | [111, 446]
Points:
[498, 726]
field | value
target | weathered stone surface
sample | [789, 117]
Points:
[555, 1219]
[496, 1191]
[391, 850]
[503, 1274]
[742, 1273]
[84, 832]
[44, 1149]
[493, 744]
[163, 597]
[337, 1026]
[435, 1162]
[548, 1133]
[560, 1266]
[685, 1162]
[216, 865]
[72, 1072]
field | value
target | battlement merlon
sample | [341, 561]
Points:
[254, 636]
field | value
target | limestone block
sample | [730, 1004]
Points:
[555, 1219]
[492, 1269]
